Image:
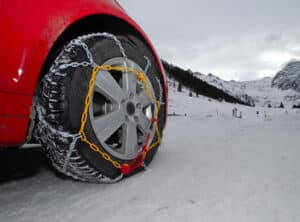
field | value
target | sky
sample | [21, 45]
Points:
[233, 39]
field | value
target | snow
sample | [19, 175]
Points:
[210, 167]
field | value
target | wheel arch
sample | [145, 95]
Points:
[99, 23]
[89, 24]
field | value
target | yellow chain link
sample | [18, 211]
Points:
[84, 116]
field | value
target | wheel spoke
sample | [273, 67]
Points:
[143, 99]
[105, 126]
[121, 123]
[108, 86]
[129, 82]
[144, 122]
[129, 138]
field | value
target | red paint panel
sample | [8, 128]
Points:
[31, 27]
[14, 113]
[12, 130]
[15, 105]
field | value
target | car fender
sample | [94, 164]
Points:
[31, 28]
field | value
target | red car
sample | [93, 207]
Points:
[83, 79]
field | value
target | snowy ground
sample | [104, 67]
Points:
[210, 167]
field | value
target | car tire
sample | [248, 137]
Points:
[61, 98]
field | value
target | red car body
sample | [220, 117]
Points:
[29, 31]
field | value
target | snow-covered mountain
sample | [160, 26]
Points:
[231, 87]
[288, 77]
[259, 91]
[191, 81]
[283, 89]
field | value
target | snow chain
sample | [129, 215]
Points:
[140, 157]
[138, 161]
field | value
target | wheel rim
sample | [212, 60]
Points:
[121, 111]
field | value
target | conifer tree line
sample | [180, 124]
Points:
[187, 79]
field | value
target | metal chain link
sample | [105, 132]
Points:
[80, 41]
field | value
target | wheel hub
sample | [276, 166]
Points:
[130, 108]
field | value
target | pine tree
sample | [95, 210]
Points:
[281, 105]
[179, 89]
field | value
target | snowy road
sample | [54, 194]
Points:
[226, 176]
[207, 169]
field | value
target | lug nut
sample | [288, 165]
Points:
[126, 118]
[138, 106]
[136, 119]
[131, 95]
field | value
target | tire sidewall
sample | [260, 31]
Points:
[76, 86]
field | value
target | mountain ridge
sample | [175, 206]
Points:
[259, 92]
[189, 80]
[288, 77]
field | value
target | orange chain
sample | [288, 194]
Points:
[125, 168]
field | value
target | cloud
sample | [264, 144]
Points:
[239, 40]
